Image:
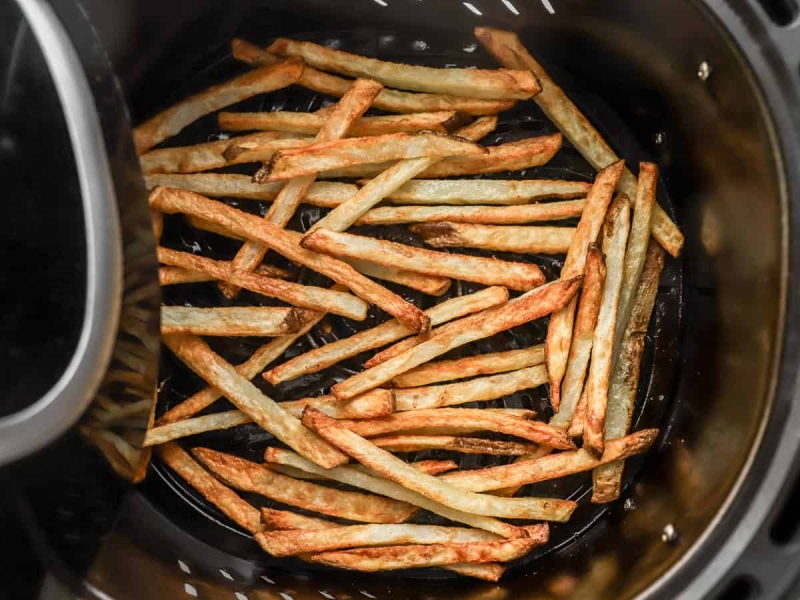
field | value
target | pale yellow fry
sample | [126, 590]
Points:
[241, 152]
[172, 120]
[178, 275]
[500, 238]
[180, 429]
[486, 191]
[273, 519]
[463, 445]
[471, 366]
[432, 467]
[385, 333]
[251, 401]
[615, 238]
[229, 320]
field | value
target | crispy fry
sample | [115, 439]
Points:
[400, 472]
[251, 477]
[330, 354]
[229, 320]
[559, 330]
[178, 275]
[250, 400]
[474, 390]
[463, 445]
[273, 519]
[471, 366]
[240, 151]
[158, 224]
[615, 237]
[625, 378]
[212, 490]
[180, 201]
[427, 284]
[501, 84]
[390, 100]
[180, 429]
[500, 215]
[501, 238]
[489, 271]
[432, 467]
[512, 490]
[579, 416]
[510, 52]
[339, 154]
[583, 334]
[486, 191]
[553, 466]
[172, 120]
[532, 305]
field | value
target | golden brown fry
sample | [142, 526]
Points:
[501, 238]
[389, 100]
[559, 330]
[180, 429]
[212, 490]
[489, 271]
[333, 353]
[463, 445]
[475, 390]
[530, 306]
[273, 519]
[500, 215]
[427, 284]
[240, 151]
[158, 224]
[251, 477]
[180, 201]
[511, 53]
[178, 275]
[266, 321]
[250, 400]
[471, 366]
[172, 120]
[583, 334]
[486, 191]
[432, 467]
[615, 238]
[579, 416]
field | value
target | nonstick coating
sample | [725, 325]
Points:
[181, 504]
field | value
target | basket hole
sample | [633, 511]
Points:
[742, 587]
[782, 12]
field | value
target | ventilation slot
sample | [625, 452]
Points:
[782, 12]
[741, 587]
[787, 523]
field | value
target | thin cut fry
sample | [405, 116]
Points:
[559, 330]
[501, 84]
[579, 416]
[489, 271]
[216, 422]
[178, 275]
[510, 52]
[432, 467]
[615, 238]
[500, 215]
[172, 200]
[530, 306]
[501, 238]
[471, 366]
[273, 519]
[475, 390]
[212, 490]
[432, 487]
[463, 445]
[172, 120]
[390, 331]
[251, 477]
[486, 191]
[583, 334]
[625, 379]
[251, 401]
[427, 284]
[241, 151]
[229, 320]
[389, 100]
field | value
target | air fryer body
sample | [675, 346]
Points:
[710, 91]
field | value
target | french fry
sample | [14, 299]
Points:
[559, 330]
[463, 445]
[474, 390]
[389, 100]
[311, 123]
[501, 238]
[251, 401]
[236, 509]
[489, 271]
[230, 320]
[172, 200]
[400, 472]
[172, 120]
[240, 151]
[553, 466]
[499, 215]
[180, 429]
[579, 416]
[615, 238]
[458, 421]
[379, 485]
[251, 477]
[471, 366]
[539, 452]
[528, 307]
[511, 53]
[335, 352]
[486, 191]
[427, 284]
[273, 519]
[339, 154]
[119, 453]
[431, 467]
[158, 224]
[178, 275]
[582, 337]
[624, 384]
[475, 83]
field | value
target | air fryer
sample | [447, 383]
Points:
[708, 90]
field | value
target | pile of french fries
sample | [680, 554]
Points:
[409, 168]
